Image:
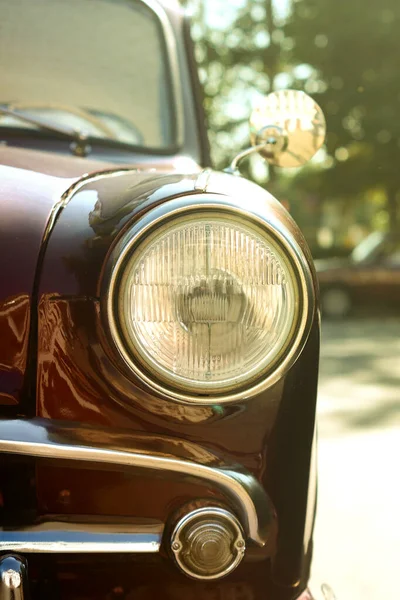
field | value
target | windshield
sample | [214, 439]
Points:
[96, 66]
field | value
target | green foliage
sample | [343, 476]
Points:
[346, 54]
[237, 63]
[354, 50]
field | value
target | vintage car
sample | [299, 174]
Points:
[368, 279]
[159, 322]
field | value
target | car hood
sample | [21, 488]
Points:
[32, 186]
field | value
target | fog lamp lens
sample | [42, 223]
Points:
[207, 302]
[208, 543]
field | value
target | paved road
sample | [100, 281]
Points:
[357, 538]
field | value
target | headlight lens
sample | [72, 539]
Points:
[206, 302]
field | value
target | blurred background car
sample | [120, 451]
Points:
[368, 278]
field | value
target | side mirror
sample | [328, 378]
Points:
[290, 127]
[286, 128]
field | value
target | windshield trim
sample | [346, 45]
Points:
[173, 65]
[92, 141]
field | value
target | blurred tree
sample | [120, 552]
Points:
[239, 60]
[345, 53]
[350, 56]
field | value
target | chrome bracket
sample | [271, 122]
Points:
[269, 142]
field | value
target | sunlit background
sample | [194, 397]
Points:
[346, 54]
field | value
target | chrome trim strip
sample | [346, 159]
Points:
[172, 52]
[72, 189]
[52, 537]
[43, 438]
[249, 208]
[202, 180]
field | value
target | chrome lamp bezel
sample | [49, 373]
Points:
[177, 207]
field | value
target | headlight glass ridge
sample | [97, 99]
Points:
[207, 301]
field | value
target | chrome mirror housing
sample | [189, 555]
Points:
[286, 128]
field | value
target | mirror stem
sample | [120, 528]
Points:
[233, 168]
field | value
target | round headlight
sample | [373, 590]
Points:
[205, 302]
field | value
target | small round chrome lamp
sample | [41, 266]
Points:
[208, 543]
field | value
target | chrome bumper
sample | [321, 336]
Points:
[66, 537]
[55, 441]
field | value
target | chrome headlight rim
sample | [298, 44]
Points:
[179, 207]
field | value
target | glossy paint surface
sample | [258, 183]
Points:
[81, 379]
[147, 578]
[31, 184]
[26, 200]
[115, 584]
[14, 328]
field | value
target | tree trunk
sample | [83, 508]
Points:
[392, 195]
[272, 68]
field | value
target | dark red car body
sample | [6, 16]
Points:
[59, 217]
